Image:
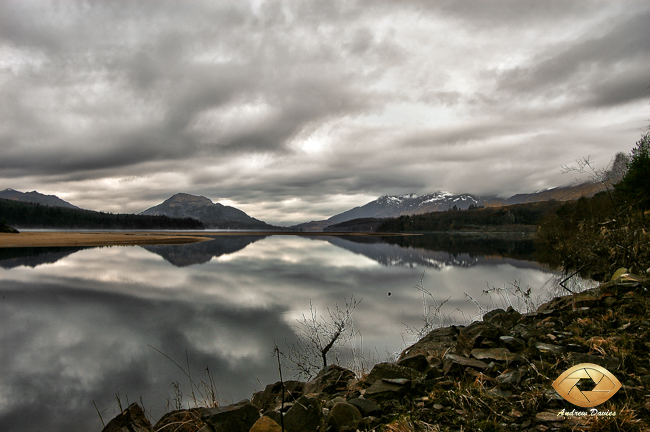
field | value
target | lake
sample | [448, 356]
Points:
[81, 328]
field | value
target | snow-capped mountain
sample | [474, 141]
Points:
[397, 205]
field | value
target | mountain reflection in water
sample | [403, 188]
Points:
[76, 325]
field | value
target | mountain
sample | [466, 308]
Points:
[391, 206]
[566, 193]
[213, 215]
[36, 198]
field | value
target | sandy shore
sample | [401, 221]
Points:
[57, 238]
[62, 238]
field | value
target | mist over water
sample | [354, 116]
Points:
[78, 325]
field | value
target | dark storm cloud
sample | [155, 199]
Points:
[321, 101]
[600, 70]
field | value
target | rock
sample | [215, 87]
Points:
[332, 402]
[131, 419]
[470, 337]
[239, 417]
[330, 380]
[510, 378]
[381, 391]
[276, 416]
[434, 343]
[272, 394]
[500, 354]
[505, 320]
[366, 407]
[180, 421]
[304, 416]
[454, 359]
[383, 371]
[512, 343]
[417, 362]
[550, 348]
[343, 415]
[265, 424]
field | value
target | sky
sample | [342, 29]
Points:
[298, 110]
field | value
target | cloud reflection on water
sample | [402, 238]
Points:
[78, 330]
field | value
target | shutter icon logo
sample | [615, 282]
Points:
[570, 384]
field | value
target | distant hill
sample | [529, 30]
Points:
[392, 206]
[212, 215]
[566, 193]
[36, 198]
[31, 215]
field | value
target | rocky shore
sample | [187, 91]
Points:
[492, 375]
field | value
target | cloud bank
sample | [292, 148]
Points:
[295, 111]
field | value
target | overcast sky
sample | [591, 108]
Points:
[298, 110]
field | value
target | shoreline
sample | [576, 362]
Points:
[134, 238]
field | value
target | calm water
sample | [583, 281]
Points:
[78, 325]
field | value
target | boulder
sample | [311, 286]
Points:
[330, 380]
[505, 320]
[366, 407]
[418, 362]
[265, 424]
[434, 343]
[180, 421]
[272, 394]
[343, 416]
[382, 391]
[304, 416]
[131, 419]
[473, 335]
[239, 417]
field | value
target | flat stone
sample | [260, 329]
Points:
[239, 417]
[382, 391]
[513, 343]
[545, 347]
[451, 359]
[392, 371]
[499, 354]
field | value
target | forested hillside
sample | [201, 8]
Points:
[28, 215]
[507, 218]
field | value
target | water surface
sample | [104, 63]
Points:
[77, 326]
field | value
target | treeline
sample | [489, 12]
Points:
[507, 218]
[29, 215]
[596, 236]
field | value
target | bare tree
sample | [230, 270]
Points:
[320, 338]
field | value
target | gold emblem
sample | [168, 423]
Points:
[606, 385]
